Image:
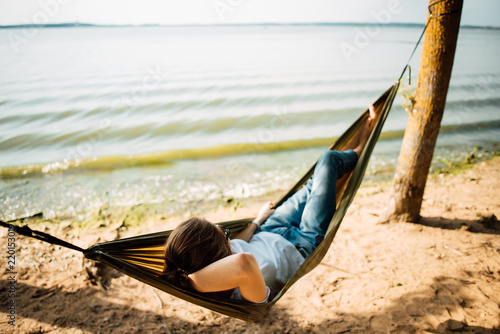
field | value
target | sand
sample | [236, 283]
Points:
[441, 275]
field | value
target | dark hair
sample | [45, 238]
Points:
[191, 246]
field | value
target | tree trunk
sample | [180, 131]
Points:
[425, 120]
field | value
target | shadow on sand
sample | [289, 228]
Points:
[484, 225]
[443, 307]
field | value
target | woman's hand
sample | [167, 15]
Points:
[265, 212]
[249, 231]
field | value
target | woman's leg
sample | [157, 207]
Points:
[321, 203]
[304, 218]
[364, 134]
[288, 214]
[359, 140]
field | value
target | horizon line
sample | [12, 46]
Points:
[84, 24]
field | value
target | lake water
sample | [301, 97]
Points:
[91, 116]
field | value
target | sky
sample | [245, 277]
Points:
[475, 12]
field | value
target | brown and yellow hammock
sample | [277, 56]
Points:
[141, 257]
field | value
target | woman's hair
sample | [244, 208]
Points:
[191, 246]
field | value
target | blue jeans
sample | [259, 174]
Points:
[304, 218]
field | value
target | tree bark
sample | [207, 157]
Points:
[425, 119]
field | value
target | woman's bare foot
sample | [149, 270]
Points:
[366, 130]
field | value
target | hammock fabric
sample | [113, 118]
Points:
[141, 257]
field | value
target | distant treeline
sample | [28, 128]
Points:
[78, 24]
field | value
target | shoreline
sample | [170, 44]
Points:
[173, 156]
[141, 215]
[432, 277]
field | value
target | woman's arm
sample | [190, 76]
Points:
[264, 213]
[247, 233]
[235, 271]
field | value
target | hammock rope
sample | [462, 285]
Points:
[28, 232]
[431, 16]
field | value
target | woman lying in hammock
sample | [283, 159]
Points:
[200, 256]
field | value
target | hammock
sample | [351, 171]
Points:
[141, 257]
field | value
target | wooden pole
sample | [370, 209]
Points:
[425, 120]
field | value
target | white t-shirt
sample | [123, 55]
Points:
[278, 259]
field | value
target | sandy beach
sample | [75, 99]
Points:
[441, 275]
